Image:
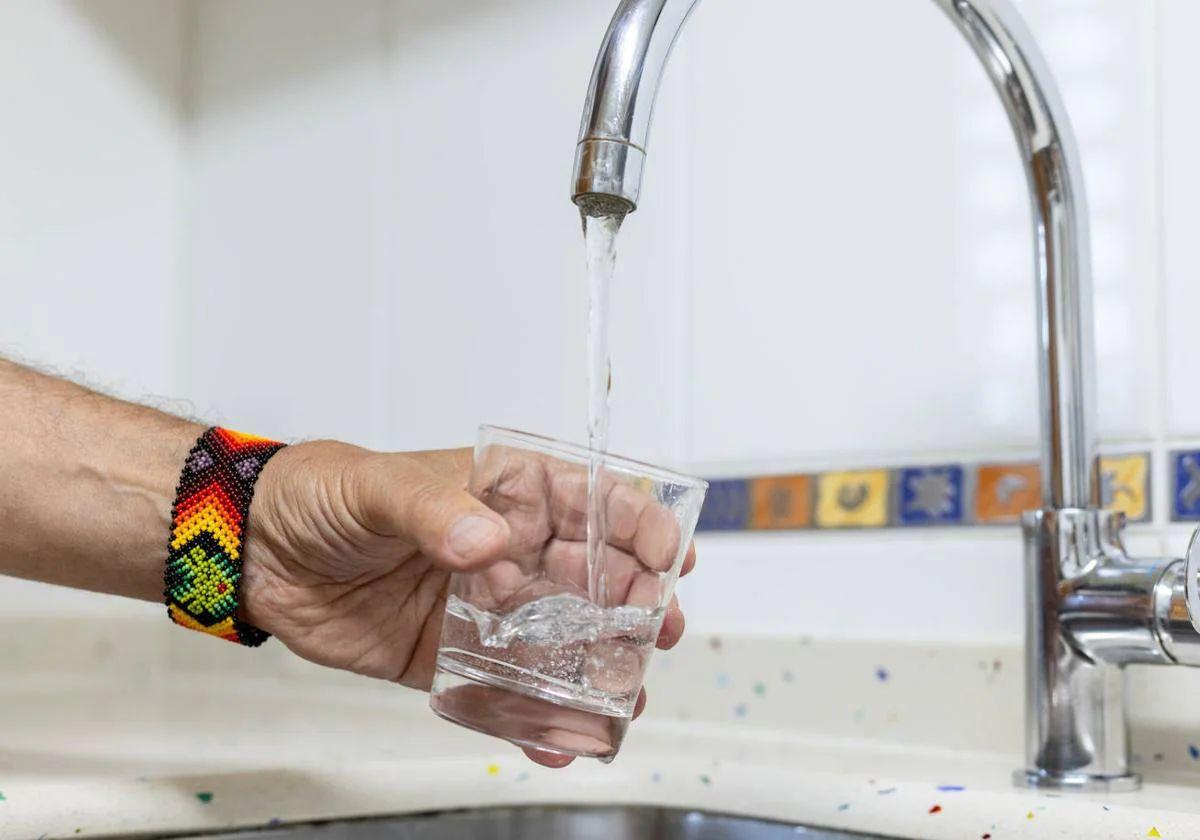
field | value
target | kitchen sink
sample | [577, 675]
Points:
[551, 823]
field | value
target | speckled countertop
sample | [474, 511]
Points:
[136, 727]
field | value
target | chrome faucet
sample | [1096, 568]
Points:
[1091, 609]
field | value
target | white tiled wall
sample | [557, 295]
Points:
[1179, 124]
[831, 264]
[90, 176]
[283, 266]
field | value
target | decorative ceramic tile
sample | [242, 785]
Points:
[781, 502]
[1185, 491]
[1125, 485]
[856, 499]
[1004, 491]
[726, 506]
[930, 495]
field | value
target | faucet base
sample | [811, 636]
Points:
[1076, 782]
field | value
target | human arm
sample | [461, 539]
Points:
[347, 555]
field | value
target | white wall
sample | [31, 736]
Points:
[863, 289]
[831, 265]
[91, 169]
[385, 185]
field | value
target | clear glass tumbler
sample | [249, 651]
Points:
[530, 652]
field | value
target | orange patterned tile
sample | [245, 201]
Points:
[1004, 491]
[781, 502]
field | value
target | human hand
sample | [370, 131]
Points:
[349, 552]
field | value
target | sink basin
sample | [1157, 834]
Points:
[561, 823]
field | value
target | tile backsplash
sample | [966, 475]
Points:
[986, 492]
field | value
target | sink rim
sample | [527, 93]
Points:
[489, 814]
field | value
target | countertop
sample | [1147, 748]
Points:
[136, 727]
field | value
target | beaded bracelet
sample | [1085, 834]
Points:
[208, 526]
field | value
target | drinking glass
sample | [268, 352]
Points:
[534, 649]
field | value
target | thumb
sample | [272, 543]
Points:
[405, 499]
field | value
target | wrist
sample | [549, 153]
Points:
[278, 537]
[262, 572]
[259, 598]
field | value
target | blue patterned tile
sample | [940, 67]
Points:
[726, 507]
[1185, 491]
[930, 495]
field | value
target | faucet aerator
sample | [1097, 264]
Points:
[599, 205]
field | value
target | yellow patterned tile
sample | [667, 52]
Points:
[1124, 484]
[854, 499]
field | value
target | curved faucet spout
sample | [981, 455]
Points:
[1074, 701]
[611, 156]
[620, 102]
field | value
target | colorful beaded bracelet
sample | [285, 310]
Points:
[208, 526]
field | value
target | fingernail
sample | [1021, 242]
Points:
[470, 534]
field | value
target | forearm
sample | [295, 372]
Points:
[86, 485]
